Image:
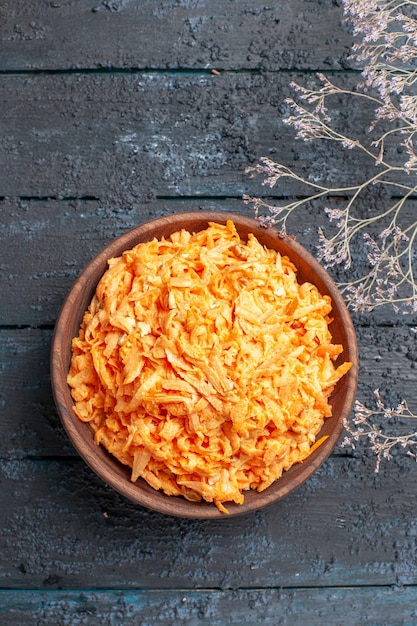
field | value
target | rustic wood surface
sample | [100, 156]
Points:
[113, 112]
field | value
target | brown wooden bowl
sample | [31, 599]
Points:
[117, 475]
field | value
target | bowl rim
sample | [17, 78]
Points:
[107, 467]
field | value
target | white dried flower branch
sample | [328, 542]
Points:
[382, 444]
[388, 48]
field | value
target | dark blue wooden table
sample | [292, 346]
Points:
[114, 112]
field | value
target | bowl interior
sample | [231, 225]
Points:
[106, 466]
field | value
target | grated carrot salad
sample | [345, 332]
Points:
[204, 366]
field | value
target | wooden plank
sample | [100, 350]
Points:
[368, 605]
[62, 528]
[28, 419]
[123, 138]
[67, 34]
[30, 426]
[56, 239]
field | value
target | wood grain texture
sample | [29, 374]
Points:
[385, 606]
[221, 34]
[344, 526]
[123, 138]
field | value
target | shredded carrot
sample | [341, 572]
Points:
[204, 365]
[318, 443]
